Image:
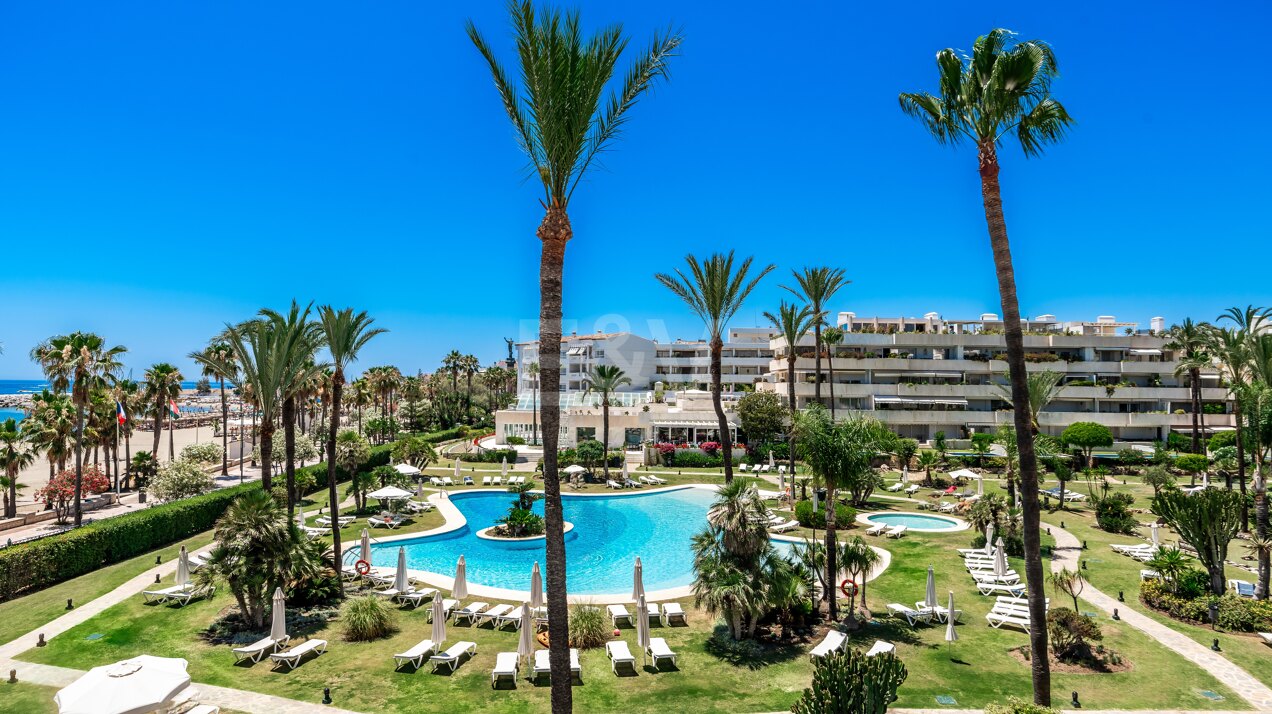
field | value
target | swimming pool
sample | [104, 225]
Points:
[916, 521]
[609, 533]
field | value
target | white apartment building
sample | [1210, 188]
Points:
[928, 374]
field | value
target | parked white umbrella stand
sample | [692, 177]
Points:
[1000, 558]
[400, 582]
[980, 486]
[638, 580]
[989, 539]
[951, 635]
[905, 473]
[929, 596]
[814, 499]
[278, 619]
[503, 467]
[183, 567]
[525, 643]
[642, 626]
[459, 590]
[626, 476]
[536, 589]
[1157, 537]
[458, 478]
[439, 623]
[366, 546]
[134, 686]
[772, 464]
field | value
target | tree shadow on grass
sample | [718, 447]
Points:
[751, 654]
[889, 630]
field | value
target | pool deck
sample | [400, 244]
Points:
[455, 520]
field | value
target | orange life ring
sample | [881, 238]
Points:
[844, 588]
[362, 567]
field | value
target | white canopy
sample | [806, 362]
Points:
[406, 470]
[134, 686]
[573, 469]
[964, 473]
[389, 493]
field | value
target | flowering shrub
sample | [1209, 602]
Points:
[1235, 613]
[60, 491]
[206, 453]
[665, 448]
[711, 447]
[181, 479]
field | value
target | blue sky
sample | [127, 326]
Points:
[168, 167]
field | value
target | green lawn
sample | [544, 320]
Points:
[24, 614]
[27, 698]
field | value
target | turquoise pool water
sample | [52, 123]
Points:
[915, 520]
[609, 533]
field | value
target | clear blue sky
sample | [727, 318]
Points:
[168, 167]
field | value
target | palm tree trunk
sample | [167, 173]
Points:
[554, 232]
[832, 566]
[225, 431]
[289, 453]
[127, 460]
[726, 440]
[1261, 522]
[79, 462]
[337, 386]
[605, 434]
[267, 453]
[790, 395]
[1194, 377]
[172, 443]
[997, 225]
[830, 385]
[1241, 470]
[816, 361]
[534, 413]
[158, 428]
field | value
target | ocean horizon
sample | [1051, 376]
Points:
[31, 386]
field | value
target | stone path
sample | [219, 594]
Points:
[1067, 552]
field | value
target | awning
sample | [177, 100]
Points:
[1203, 429]
[920, 400]
[1110, 349]
[1145, 352]
[576, 351]
[691, 423]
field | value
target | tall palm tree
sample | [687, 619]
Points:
[563, 121]
[469, 365]
[345, 333]
[163, 384]
[299, 339]
[15, 455]
[260, 352]
[817, 287]
[82, 363]
[1233, 348]
[533, 371]
[50, 428]
[217, 361]
[792, 323]
[129, 395]
[1189, 341]
[714, 291]
[1041, 387]
[361, 393]
[831, 337]
[1004, 86]
[604, 380]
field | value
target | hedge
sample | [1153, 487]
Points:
[27, 567]
[1235, 613]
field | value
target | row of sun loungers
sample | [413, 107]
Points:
[668, 613]
[835, 641]
[179, 594]
[269, 646]
[1012, 611]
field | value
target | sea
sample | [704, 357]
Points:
[31, 386]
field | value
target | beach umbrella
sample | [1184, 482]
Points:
[950, 634]
[638, 580]
[1000, 558]
[642, 624]
[626, 476]
[366, 545]
[278, 622]
[419, 489]
[536, 589]
[772, 465]
[134, 686]
[905, 473]
[439, 623]
[1205, 479]
[989, 539]
[300, 514]
[459, 590]
[457, 469]
[1157, 538]
[406, 470]
[400, 583]
[980, 487]
[503, 467]
[814, 499]
[389, 493]
[183, 567]
[929, 597]
[525, 643]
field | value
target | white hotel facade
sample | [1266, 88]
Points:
[919, 376]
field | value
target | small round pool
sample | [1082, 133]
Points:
[921, 522]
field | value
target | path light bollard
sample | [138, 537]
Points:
[1115, 617]
[156, 578]
[158, 560]
[1048, 531]
[40, 642]
[69, 605]
[1084, 565]
[1120, 596]
[326, 695]
[1215, 645]
[1062, 524]
[13, 676]
[1076, 703]
[1084, 545]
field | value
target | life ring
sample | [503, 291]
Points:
[362, 567]
[844, 587]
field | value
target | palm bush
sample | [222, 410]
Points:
[367, 618]
[589, 627]
[849, 682]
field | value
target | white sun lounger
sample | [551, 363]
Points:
[451, 656]
[376, 522]
[881, 647]
[415, 655]
[164, 593]
[448, 481]
[783, 527]
[470, 612]
[204, 709]
[448, 605]
[896, 532]
[1011, 578]
[911, 615]
[1266, 637]
[507, 664]
[542, 665]
[326, 520]
[293, 656]
[514, 617]
[618, 612]
[485, 480]
[497, 480]
[659, 650]
[991, 588]
[743, 467]
[896, 487]
[494, 612]
[415, 597]
[468, 481]
[940, 612]
[184, 597]
[618, 653]
[611, 483]
[435, 481]
[656, 480]
[418, 507]
[834, 641]
[876, 529]
[914, 488]
[672, 611]
[948, 507]
[257, 649]
[998, 618]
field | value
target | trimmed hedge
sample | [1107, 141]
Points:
[1235, 613]
[27, 567]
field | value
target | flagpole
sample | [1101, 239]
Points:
[117, 425]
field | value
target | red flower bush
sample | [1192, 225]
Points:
[711, 447]
[665, 448]
[60, 491]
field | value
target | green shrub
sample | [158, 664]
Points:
[589, 627]
[366, 618]
[1013, 543]
[1070, 633]
[1192, 463]
[1113, 514]
[515, 441]
[849, 682]
[845, 516]
[1235, 613]
[1016, 705]
[491, 456]
[690, 459]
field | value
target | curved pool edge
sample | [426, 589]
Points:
[959, 524]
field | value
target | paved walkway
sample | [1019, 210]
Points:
[1067, 552]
